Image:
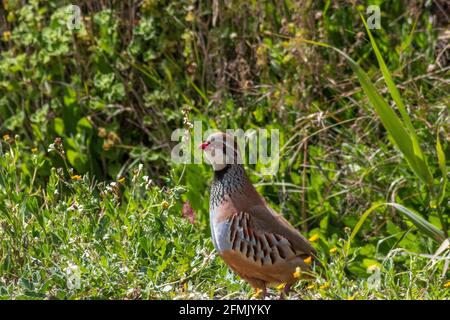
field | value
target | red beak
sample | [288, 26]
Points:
[203, 145]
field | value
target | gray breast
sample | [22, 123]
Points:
[220, 232]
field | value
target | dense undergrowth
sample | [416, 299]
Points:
[87, 188]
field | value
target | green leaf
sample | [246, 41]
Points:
[58, 125]
[77, 160]
[442, 167]
[84, 125]
[418, 158]
[421, 224]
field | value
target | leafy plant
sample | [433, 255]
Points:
[404, 137]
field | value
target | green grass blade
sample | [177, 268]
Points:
[443, 168]
[407, 42]
[441, 157]
[391, 122]
[389, 82]
[389, 119]
[200, 92]
[360, 223]
[420, 223]
[419, 158]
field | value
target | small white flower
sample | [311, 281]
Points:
[51, 147]
[167, 288]
[75, 207]
[73, 274]
[147, 182]
[374, 281]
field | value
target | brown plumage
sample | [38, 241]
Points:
[255, 241]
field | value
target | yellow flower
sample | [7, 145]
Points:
[121, 180]
[76, 177]
[165, 204]
[11, 17]
[102, 132]
[6, 36]
[373, 267]
[257, 293]
[34, 150]
[314, 237]
[6, 137]
[333, 250]
[326, 285]
[107, 145]
[189, 17]
[350, 298]
[310, 287]
[280, 286]
[447, 284]
[308, 260]
[297, 273]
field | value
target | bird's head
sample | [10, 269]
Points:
[220, 150]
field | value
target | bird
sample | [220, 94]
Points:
[256, 242]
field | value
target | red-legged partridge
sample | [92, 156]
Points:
[253, 240]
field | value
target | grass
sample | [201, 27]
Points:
[87, 188]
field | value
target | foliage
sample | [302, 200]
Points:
[81, 109]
